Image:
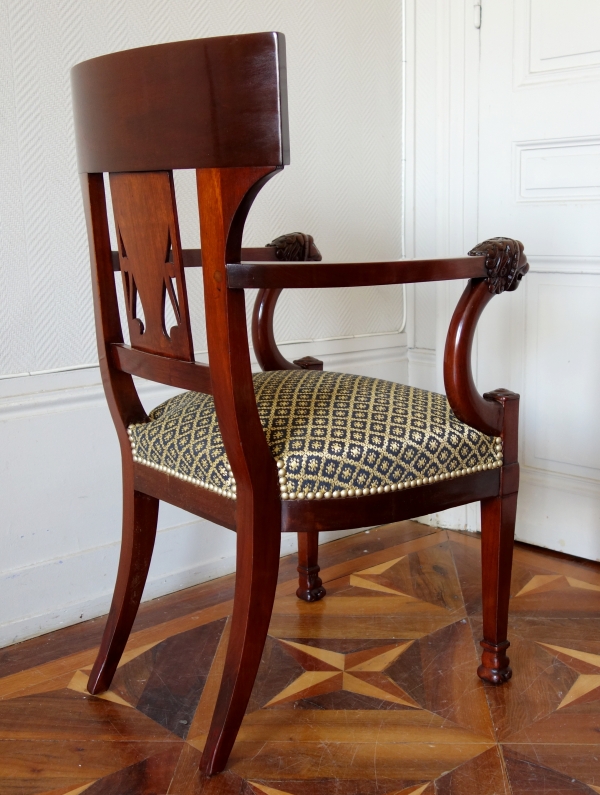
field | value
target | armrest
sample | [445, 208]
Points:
[286, 275]
[505, 265]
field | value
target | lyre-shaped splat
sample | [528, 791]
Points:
[151, 262]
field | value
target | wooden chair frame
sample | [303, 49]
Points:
[118, 133]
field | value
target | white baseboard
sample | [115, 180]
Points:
[60, 493]
[559, 512]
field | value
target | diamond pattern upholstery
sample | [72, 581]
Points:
[332, 434]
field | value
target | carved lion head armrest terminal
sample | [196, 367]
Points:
[505, 263]
[296, 247]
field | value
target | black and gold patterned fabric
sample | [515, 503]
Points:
[332, 435]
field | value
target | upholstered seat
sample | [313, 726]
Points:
[333, 435]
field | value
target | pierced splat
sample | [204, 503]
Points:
[151, 263]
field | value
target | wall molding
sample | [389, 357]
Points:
[573, 484]
[569, 265]
[554, 152]
[562, 70]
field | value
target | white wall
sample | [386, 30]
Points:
[59, 460]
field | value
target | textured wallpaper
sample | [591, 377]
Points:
[344, 185]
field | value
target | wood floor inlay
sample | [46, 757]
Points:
[372, 691]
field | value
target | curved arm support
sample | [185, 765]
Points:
[263, 339]
[296, 247]
[505, 265]
[466, 402]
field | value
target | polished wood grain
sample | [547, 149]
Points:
[200, 99]
[388, 705]
[172, 372]
[225, 197]
[202, 502]
[140, 517]
[192, 257]
[391, 507]
[220, 106]
[309, 363]
[150, 256]
[267, 353]
[285, 275]
[466, 402]
[498, 515]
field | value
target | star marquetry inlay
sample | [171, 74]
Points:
[365, 578]
[554, 582]
[360, 672]
[587, 686]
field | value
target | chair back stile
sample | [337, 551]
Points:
[225, 197]
[122, 397]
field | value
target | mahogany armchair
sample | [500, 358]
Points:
[291, 449]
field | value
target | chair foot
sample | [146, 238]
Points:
[310, 585]
[140, 517]
[494, 667]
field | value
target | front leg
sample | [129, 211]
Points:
[497, 532]
[498, 515]
[310, 585]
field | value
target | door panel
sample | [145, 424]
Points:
[539, 181]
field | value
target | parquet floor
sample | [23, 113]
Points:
[370, 692]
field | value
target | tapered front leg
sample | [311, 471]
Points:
[497, 533]
[310, 585]
[140, 517]
[498, 515]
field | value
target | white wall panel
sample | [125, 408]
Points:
[566, 36]
[441, 189]
[556, 41]
[558, 170]
[540, 179]
[563, 426]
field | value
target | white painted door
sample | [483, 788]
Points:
[539, 181]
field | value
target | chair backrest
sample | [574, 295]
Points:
[215, 105]
[206, 103]
[139, 114]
